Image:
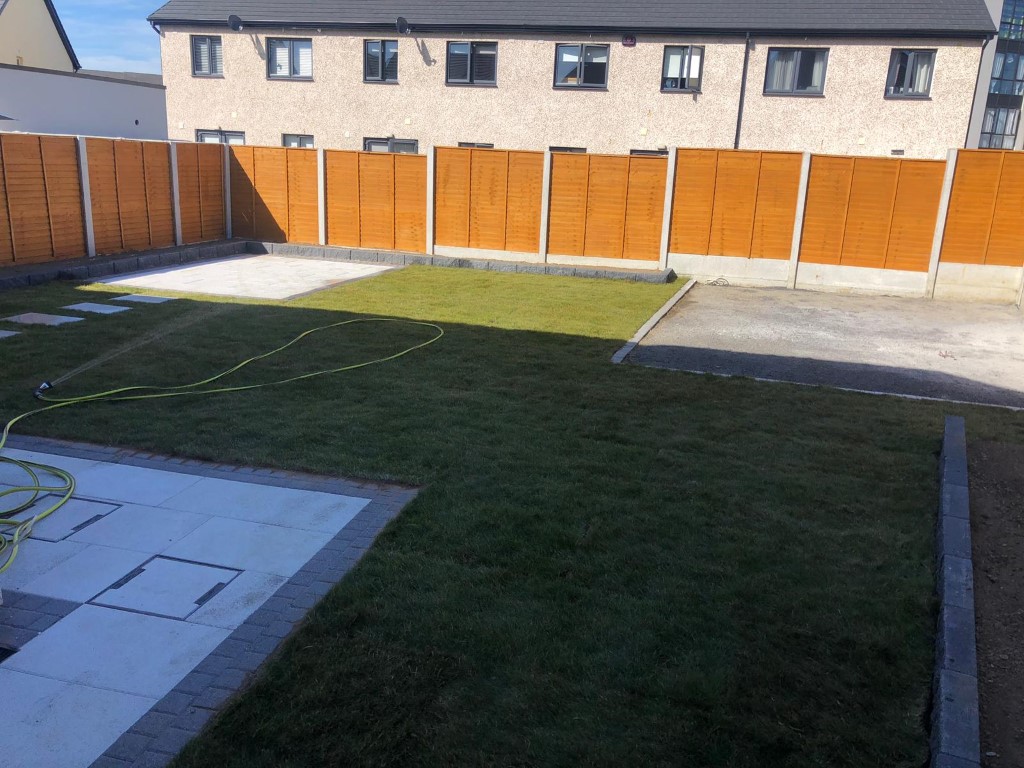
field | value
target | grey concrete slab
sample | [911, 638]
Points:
[138, 298]
[234, 604]
[920, 348]
[50, 723]
[164, 587]
[74, 515]
[41, 318]
[309, 510]
[97, 309]
[141, 528]
[117, 650]
[131, 484]
[86, 573]
[36, 558]
[252, 546]
[7, 334]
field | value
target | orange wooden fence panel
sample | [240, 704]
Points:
[606, 206]
[271, 173]
[567, 211]
[1006, 239]
[645, 208]
[523, 201]
[159, 194]
[732, 223]
[376, 200]
[63, 196]
[243, 191]
[303, 196]
[915, 215]
[778, 187]
[6, 244]
[26, 196]
[972, 207]
[488, 190]
[694, 200]
[343, 198]
[451, 196]
[189, 190]
[869, 212]
[410, 202]
[131, 195]
[211, 194]
[828, 194]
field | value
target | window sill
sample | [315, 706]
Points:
[558, 87]
[201, 76]
[291, 79]
[794, 95]
[380, 82]
[689, 91]
[891, 97]
[471, 85]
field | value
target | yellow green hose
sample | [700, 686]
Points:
[13, 531]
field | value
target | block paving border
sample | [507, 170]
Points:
[158, 736]
[955, 740]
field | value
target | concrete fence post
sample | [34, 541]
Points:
[666, 216]
[798, 222]
[545, 206]
[83, 182]
[431, 182]
[321, 193]
[940, 224]
[175, 193]
[228, 229]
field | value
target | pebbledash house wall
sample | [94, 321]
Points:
[525, 111]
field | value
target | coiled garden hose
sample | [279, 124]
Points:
[13, 531]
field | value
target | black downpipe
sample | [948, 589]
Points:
[743, 92]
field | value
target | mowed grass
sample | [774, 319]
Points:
[606, 565]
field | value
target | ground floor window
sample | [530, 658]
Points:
[476, 144]
[404, 146]
[652, 152]
[220, 137]
[298, 140]
[572, 150]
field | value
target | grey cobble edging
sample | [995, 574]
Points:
[620, 357]
[179, 716]
[400, 258]
[955, 741]
[21, 276]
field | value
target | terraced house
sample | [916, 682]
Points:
[862, 77]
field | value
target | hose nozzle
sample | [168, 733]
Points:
[38, 394]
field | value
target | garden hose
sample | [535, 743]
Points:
[13, 531]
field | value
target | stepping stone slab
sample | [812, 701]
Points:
[7, 334]
[138, 298]
[99, 309]
[39, 318]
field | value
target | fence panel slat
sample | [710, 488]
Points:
[410, 202]
[27, 198]
[131, 195]
[1006, 239]
[693, 202]
[523, 201]
[188, 192]
[160, 205]
[64, 196]
[211, 181]
[828, 194]
[451, 196]
[778, 186]
[606, 206]
[6, 244]
[271, 169]
[342, 198]
[915, 214]
[488, 189]
[303, 196]
[243, 192]
[732, 222]
[567, 220]
[869, 212]
[377, 200]
[972, 206]
[645, 208]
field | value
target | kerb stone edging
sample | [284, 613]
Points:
[629, 346]
[955, 740]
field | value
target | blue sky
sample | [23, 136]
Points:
[112, 34]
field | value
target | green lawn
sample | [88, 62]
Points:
[607, 565]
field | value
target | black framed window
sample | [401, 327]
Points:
[999, 128]
[682, 68]
[290, 58]
[796, 71]
[391, 144]
[570, 150]
[581, 66]
[220, 137]
[380, 61]
[649, 152]
[472, 63]
[910, 74]
[297, 140]
[476, 144]
[207, 56]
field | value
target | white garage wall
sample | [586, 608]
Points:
[44, 101]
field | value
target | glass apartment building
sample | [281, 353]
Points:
[1006, 88]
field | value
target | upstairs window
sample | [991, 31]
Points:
[290, 58]
[297, 140]
[402, 146]
[796, 71]
[380, 61]
[207, 56]
[581, 66]
[682, 67]
[472, 63]
[910, 74]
